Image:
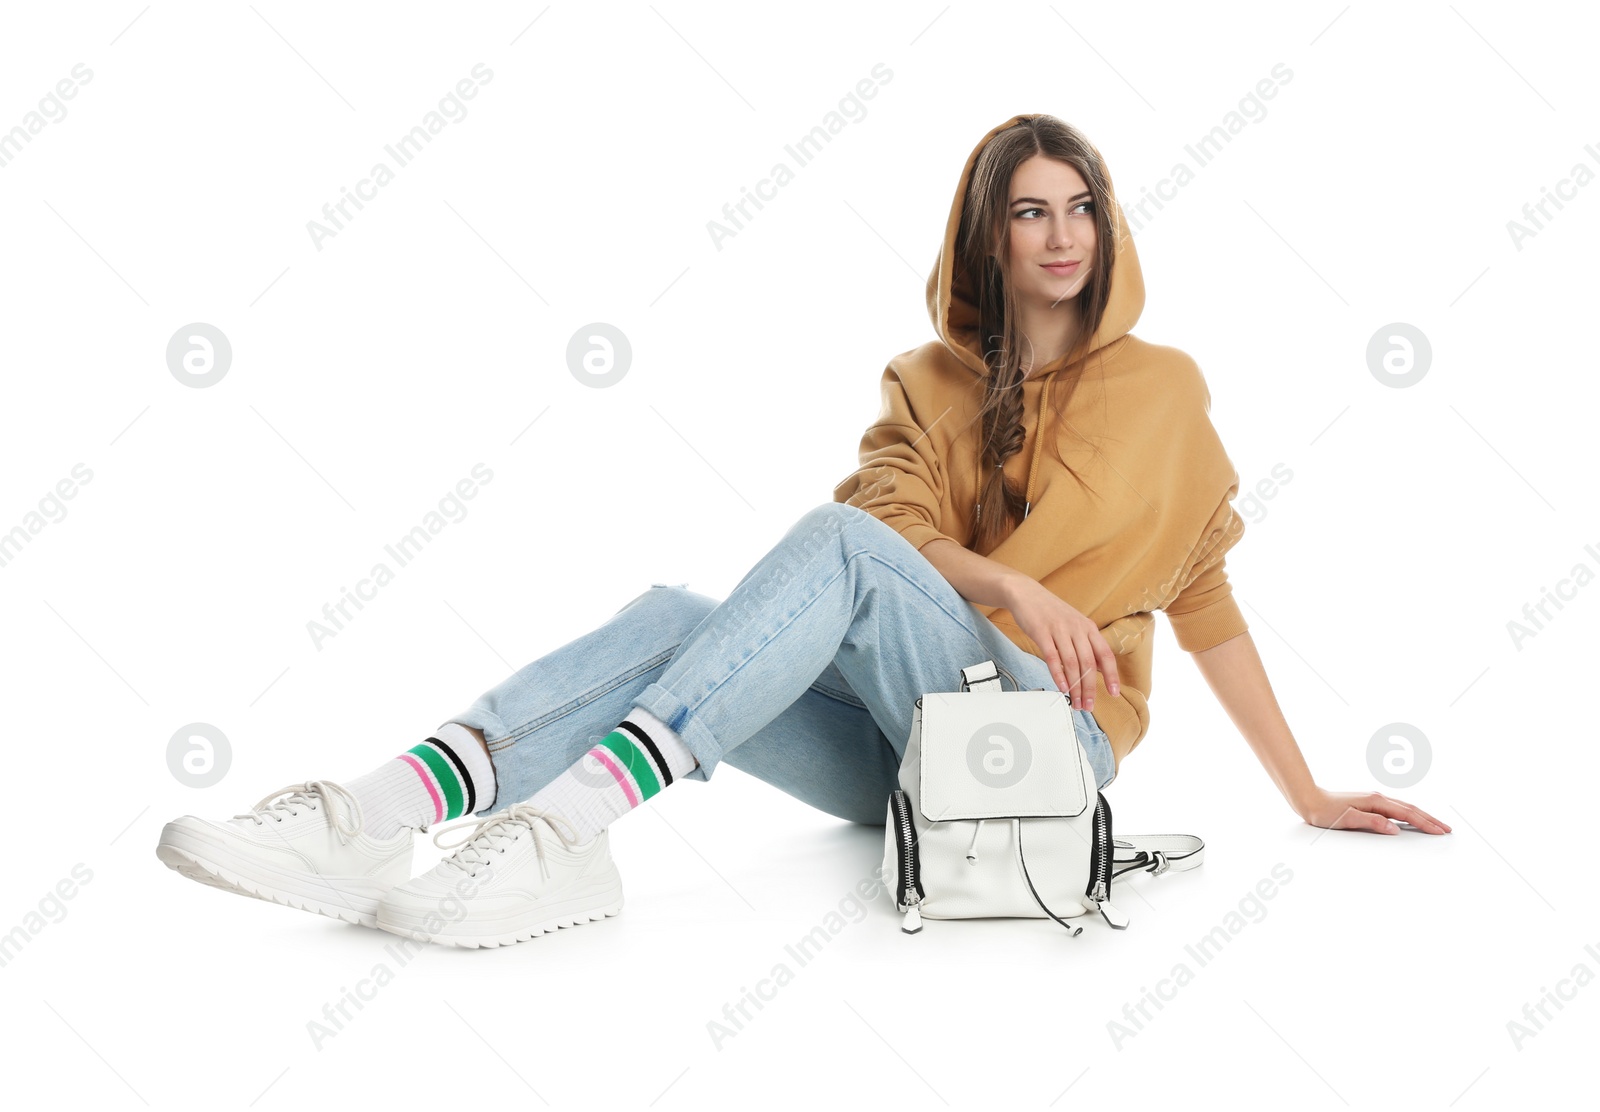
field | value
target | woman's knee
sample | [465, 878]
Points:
[828, 522]
[671, 606]
[834, 515]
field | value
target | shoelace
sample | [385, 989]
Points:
[473, 851]
[307, 795]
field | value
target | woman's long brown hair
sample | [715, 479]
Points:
[983, 241]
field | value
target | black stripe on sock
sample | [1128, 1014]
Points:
[644, 740]
[466, 777]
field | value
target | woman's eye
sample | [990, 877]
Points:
[1087, 206]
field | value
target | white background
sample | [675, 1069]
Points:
[430, 334]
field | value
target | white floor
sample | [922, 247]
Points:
[1379, 972]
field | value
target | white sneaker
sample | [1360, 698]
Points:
[516, 875]
[295, 850]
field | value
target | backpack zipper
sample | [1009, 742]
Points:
[908, 891]
[1100, 866]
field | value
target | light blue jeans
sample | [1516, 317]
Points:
[805, 676]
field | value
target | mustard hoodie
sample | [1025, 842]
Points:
[1137, 427]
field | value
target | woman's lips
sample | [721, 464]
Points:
[1063, 269]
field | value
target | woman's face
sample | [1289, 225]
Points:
[1052, 221]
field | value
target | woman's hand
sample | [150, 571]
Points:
[1070, 643]
[1363, 811]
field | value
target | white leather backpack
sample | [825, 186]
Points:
[998, 813]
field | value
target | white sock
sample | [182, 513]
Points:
[445, 777]
[630, 765]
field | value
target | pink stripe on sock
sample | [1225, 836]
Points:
[622, 777]
[427, 782]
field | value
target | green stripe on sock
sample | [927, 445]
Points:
[635, 760]
[455, 799]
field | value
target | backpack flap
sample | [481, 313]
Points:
[989, 754]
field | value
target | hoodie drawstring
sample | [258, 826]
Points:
[1045, 412]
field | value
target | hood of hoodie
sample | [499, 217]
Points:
[952, 302]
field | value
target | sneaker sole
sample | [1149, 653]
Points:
[182, 851]
[510, 929]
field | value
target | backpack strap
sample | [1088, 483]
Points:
[1156, 853]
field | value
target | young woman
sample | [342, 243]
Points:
[993, 516]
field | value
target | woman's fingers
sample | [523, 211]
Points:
[1416, 816]
[1069, 663]
[1108, 661]
[1352, 817]
[1074, 654]
[1371, 821]
[1057, 671]
[1068, 655]
[1084, 689]
[1075, 658]
[1365, 811]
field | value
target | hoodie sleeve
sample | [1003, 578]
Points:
[900, 480]
[1205, 613]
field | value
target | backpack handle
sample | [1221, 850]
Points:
[982, 677]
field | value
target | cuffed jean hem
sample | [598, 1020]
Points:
[695, 737]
